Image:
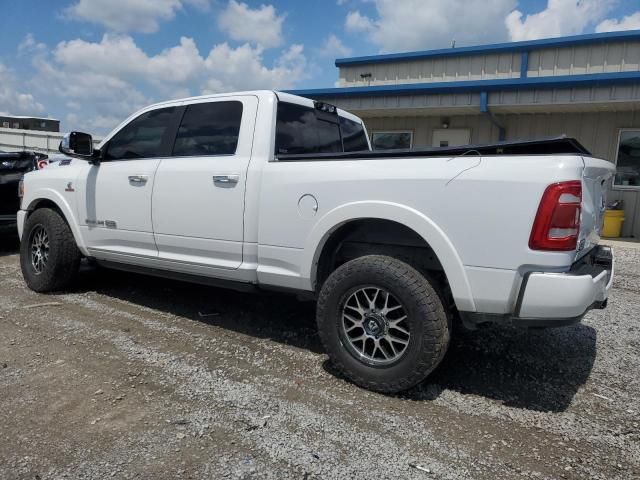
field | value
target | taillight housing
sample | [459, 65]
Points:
[557, 223]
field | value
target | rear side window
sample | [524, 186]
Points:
[300, 130]
[142, 137]
[354, 137]
[209, 129]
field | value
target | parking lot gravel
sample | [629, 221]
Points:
[129, 376]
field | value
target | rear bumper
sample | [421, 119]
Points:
[547, 299]
[557, 299]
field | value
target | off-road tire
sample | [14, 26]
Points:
[64, 257]
[428, 322]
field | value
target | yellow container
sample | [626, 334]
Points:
[612, 223]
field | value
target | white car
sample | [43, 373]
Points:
[269, 190]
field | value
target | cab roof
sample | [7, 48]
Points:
[262, 94]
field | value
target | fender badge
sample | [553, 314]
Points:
[70, 187]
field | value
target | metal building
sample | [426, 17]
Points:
[585, 86]
[15, 139]
[29, 123]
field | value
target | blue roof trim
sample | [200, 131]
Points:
[564, 81]
[493, 48]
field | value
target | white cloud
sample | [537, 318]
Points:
[429, 24]
[630, 22]
[12, 99]
[262, 25]
[129, 15]
[242, 68]
[561, 17]
[119, 56]
[29, 46]
[356, 22]
[333, 47]
[89, 95]
[101, 83]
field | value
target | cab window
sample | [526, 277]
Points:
[143, 137]
[209, 129]
[354, 138]
[299, 130]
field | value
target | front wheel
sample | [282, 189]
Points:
[382, 323]
[49, 256]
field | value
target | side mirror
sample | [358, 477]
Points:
[77, 144]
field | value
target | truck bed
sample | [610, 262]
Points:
[546, 146]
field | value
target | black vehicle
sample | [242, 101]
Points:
[13, 165]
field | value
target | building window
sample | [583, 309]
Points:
[16, 125]
[628, 159]
[5, 124]
[391, 140]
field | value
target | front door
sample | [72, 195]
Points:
[451, 137]
[114, 198]
[198, 196]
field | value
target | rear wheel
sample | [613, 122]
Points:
[382, 323]
[49, 257]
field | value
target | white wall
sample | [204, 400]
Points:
[604, 57]
[445, 69]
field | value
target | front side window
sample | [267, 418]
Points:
[354, 137]
[142, 137]
[209, 129]
[299, 130]
[628, 160]
[391, 140]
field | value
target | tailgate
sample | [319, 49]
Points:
[596, 180]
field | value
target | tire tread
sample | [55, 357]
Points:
[435, 339]
[65, 260]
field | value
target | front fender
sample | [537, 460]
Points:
[61, 202]
[409, 217]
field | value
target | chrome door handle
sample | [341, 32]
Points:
[226, 179]
[138, 179]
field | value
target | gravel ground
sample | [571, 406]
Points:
[136, 377]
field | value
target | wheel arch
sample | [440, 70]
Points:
[333, 225]
[47, 198]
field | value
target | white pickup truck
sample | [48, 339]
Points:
[269, 190]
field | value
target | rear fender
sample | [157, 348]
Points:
[407, 216]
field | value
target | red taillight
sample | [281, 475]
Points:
[557, 222]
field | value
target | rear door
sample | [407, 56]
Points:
[198, 196]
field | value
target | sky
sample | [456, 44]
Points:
[91, 63]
